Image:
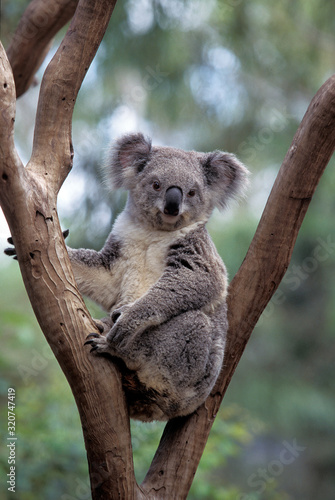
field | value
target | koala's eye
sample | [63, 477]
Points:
[191, 193]
[156, 185]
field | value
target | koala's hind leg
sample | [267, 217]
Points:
[176, 363]
[179, 360]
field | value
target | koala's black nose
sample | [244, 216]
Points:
[173, 199]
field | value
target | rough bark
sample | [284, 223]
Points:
[253, 286]
[46, 269]
[33, 37]
[28, 198]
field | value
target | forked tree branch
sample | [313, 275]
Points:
[33, 37]
[48, 276]
[59, 89]
[253, 286]
[28, 198]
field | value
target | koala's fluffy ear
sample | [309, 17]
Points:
[226, 176]
[129, 157]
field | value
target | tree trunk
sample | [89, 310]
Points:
[41, 250]
[258, 278]
[33, 37]
[47, 272]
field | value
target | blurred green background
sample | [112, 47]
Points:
[196, 74]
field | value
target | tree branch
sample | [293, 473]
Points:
[33, 37]
[11, 168]
[263, 268]
[47, 273]
[43, 258]
[59, 89]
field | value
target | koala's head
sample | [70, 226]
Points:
[170, 188]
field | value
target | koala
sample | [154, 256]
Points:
[160, 277]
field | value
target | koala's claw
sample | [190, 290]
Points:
[115, 315]
[97, 342]
[100, 326]
[90, 340]
[11, 252]
[94, 348]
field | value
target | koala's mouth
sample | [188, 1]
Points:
[170, 219]
[168, 222]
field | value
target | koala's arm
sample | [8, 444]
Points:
[194, 278]
[90, 267]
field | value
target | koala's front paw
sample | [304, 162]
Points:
[11, 252]
[119, 335]
[104, 325]
[101, 344]
[129, 321]
[121, 311]
[98, 343]
[123, 328]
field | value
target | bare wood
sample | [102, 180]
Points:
[264, 266]
[7, 116]
[32, 39]
[43, 258]
[60, 85]
[50, 284]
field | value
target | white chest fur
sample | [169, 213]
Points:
[142, 260]
[140, 265]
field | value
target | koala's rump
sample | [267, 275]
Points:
[166, 387]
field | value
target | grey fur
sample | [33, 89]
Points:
[160, 276]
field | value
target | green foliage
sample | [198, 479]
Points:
[231, 75]
[232, 429]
